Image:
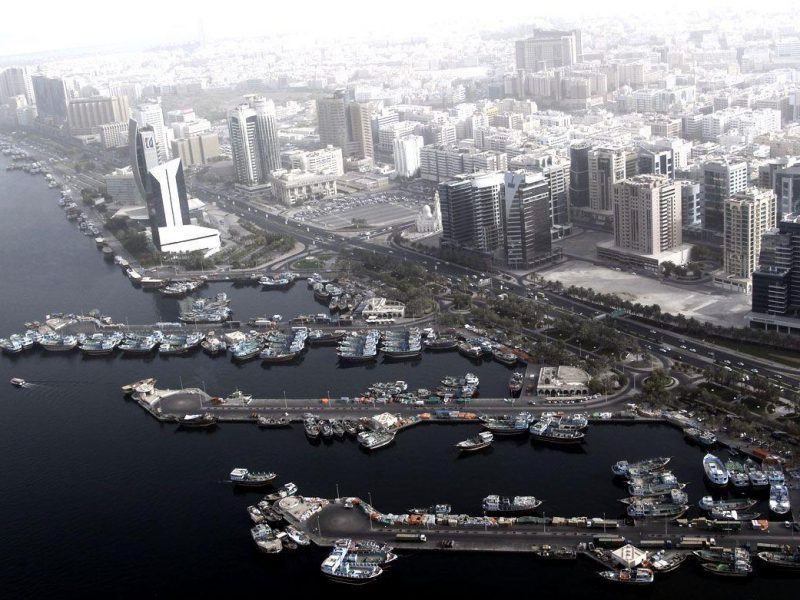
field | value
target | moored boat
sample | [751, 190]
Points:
[785, 560]
[639, 576]
[708, 503]
[715, 471]
[779, 502]
[197, 421]
[700, 436]
[372, 440]
[736, 568]
[518, 505]
[665, 561]
[623, 468]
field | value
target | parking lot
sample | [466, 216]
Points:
[702, 302]
[376, 210]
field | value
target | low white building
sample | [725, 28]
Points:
[292, 186]
[429, 219]
[629, 556]
[382, 308]
[562, 381]
[188, 238]
[121, 186]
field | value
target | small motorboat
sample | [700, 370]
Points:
[18, 382]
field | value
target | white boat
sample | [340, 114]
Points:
[18, 382]
[630, 576]
[372, 440]
[779, 499]
[715, 470]
[518, 505]
[482, 440]
[338, 568]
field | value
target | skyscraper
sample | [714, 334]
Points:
[549, 49]
[579, 174]
[471, 211]
[526, 218]
[721, 180]
[407, 150]
[149, 113]
[332, 121]
[51, 96]
[787, 188]
[747, 216]
[359, 128]
[86, 114]
[16, 81]
[143, 154]
[347, 125]
[168, 209]
[266, 133]
[607, 167]
[647, 214]
[776, 282]
[254, 140]
[244, 145]
[167, 201]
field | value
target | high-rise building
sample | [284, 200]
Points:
[776, 282]
[114, 135]
[647, 214]
[691, 204]
[132, 91]
[149, 113]
[526, 218]
[607, 167]
[244, 146]
[407, 150]
[266, 132]
[326, 161]
[84, 115]
[121, 186]
[196, 150]
[346, 125]
[143, 154]
[722, 179]
[51, 96]
[471, 211]
[579, 175]
[556, 171]
[332, 121]
[549, 49]
[787, 190]
[168, 209]
[254, 140]
[16, 81]
[360, 130]
[747, 216]
[439, 163]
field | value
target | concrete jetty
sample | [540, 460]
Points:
[326, 520]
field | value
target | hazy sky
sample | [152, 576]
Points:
[51, 25]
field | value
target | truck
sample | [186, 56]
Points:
[609, 541]
[696, 542]
[410, 537]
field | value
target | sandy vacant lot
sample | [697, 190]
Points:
[704, 303]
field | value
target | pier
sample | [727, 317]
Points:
[350, 518]
[171, 404]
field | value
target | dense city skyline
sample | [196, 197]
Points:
[63, 27]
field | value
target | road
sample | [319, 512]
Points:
[695, 352]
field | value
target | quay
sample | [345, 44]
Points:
[325, 521]
[172, 404]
